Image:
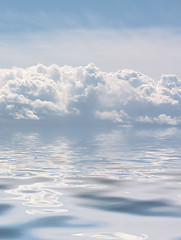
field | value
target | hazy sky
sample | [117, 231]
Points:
[142, 35]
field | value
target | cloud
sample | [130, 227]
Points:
[112, 115]
[86, 93]
[161, 119]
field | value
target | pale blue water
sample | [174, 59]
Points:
[90, 183]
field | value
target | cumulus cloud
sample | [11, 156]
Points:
[113, 116]
[87, 93]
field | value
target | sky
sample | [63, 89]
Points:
[141, 35]
[116, 61]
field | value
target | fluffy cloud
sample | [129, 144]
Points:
[87, 93]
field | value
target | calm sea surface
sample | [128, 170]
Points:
[90, 183]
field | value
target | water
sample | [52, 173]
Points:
[90, 183]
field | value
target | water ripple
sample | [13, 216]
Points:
[4, 208]
[157, 208]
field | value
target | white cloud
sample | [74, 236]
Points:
[144, 119]
[161, 119]
[113, 116]
[87, 93]
[164, 119]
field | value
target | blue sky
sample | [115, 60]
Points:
[44, 15]
[113, 34]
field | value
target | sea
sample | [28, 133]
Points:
[90, 182]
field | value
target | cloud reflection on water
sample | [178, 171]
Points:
[42, 170]
[117, 235]
[123, 171]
